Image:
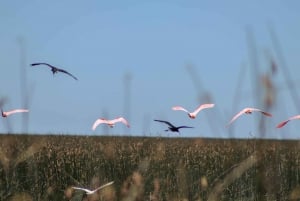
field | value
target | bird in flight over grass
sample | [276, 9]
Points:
[172, 127]
[193, 115]
[281, 124]
[93, 191]
[55, 69]
[248, 110]
[110, 123]
[6, 114]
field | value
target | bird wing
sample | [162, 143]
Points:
[66, 72]
[103, 186]
[184, 127]
[166, 122]
[36, 64]
[120, 119]
[203, 106]
[180, 108]
[99, 121]
[83, 189]
[281, 124]
[16, 111]
[236, 116]
[258, 110]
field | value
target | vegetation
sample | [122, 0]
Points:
[45, 168]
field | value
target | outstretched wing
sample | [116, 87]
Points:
[16, 111]
[36, 64]
[103, 186]
[184, 127]
[203, 106]
[83, 189]
[99, 121]
[236, 116]
[180, 108]
[66, 72]
[258, 110]
[120, 119]
[166, 122]
[281, 124]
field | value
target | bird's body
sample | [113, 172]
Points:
[283, 123]
[110, 123]
[248, 110]
[55, 69]
[93, 191]
[171, 127]
[193, 115]
[7, 113]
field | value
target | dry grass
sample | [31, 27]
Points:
[45, 167]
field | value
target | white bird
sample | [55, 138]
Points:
[93, 191]
[110, 123]
[248, 110]
[281, 124]
[5, 114]
[192, 115]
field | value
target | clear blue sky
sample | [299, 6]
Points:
[152, 41]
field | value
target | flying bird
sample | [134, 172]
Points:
[192, 115]
[172, 127]
[93, 191]
[281, 124]
[6, 114]
[55, 69]
[248, 110]
[110, 123]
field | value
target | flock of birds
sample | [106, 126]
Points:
[111, 123]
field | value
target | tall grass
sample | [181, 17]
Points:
[45, 168]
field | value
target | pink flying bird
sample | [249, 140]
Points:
[248, 110]
[110, 123]
[192, 115]
[5, 114]
[281, 124]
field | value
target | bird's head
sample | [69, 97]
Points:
[192, 116]
[248, 112]
[54, 70]
[2, 113]
[111, 125]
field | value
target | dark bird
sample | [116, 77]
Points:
[172, 127]
[54, 69]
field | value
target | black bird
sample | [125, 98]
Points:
[55, 69]
[172, 127]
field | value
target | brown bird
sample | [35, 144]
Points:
[6, 114]
[248, 110]
[110, 123]
[192, 115]
[55, 69]
[281, 124]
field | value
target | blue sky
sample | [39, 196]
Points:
[153, 42]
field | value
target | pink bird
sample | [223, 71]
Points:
[192, 115]
[248, 110]
[110, 123]
[5, 114]
[281, 124]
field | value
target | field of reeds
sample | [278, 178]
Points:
[46, 167]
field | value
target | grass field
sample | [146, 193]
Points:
[45, 168]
